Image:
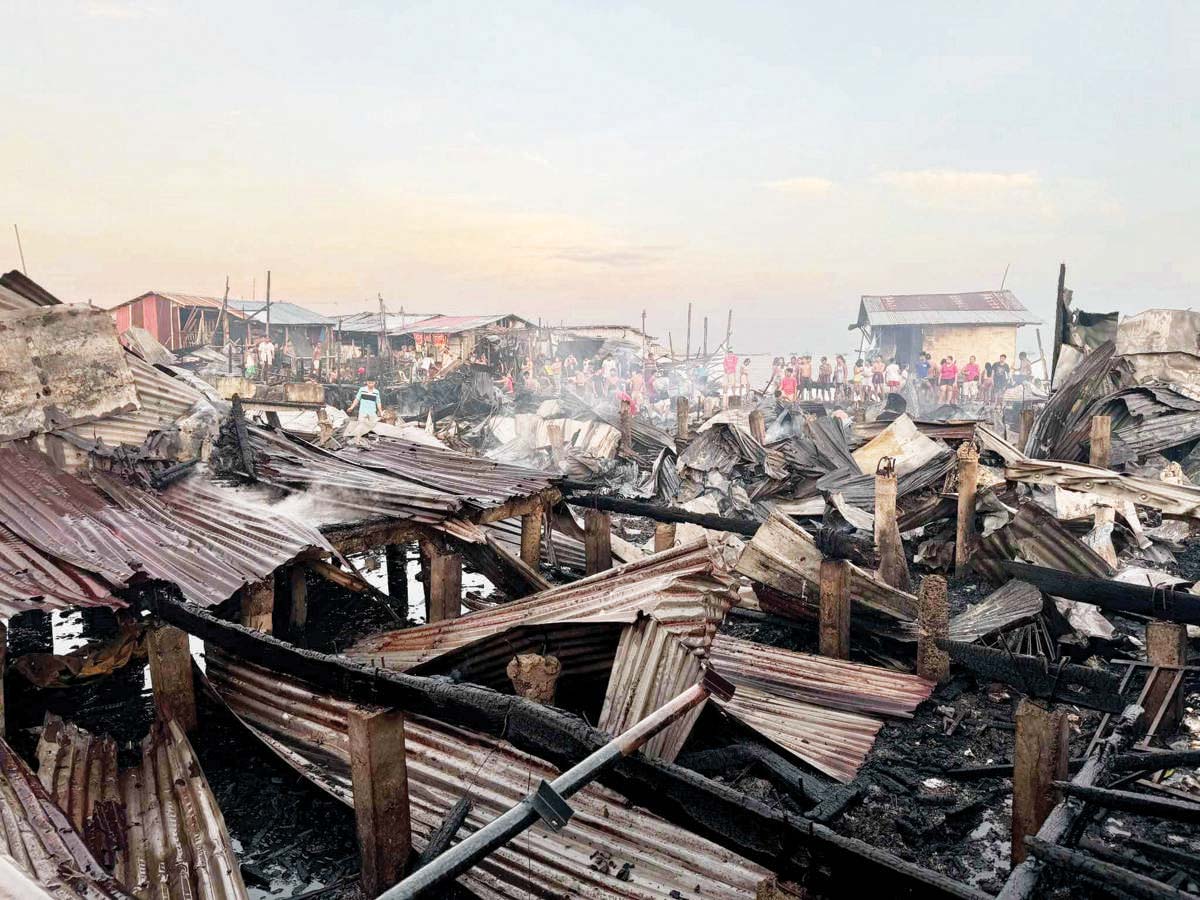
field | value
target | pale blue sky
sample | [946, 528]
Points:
[581, 161]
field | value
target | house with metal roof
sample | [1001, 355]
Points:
[979, 323]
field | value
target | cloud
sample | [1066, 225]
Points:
[119, 9]
[628, 257]
[958, 182]
[805, 185]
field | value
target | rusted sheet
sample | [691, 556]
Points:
[1063, 423]
[1172, 499]
[1038, 537]
[609, 849]
[903, 442]
[41, 840]
[651, 666]
[784, 557]
[970, 308]
[1015, 603]
[60, 366]
[989, 440]
[157, 826]
[953, 430]
[29, 579]
[687, 590]
[825, 711]
[209, 548]
[1160, 344]
[480, 484]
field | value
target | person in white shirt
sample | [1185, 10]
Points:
[891, 375]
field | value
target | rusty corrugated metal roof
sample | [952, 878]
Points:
[29, 579]
[457, 324]
[826, 711]
[41, 841]
[609, 848]
[971, 308]
[18, 291]
[687, 590]
[157, 826]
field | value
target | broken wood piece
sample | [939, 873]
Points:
[396, 556]
[1113, 877]
[444, 588]
[1162, 602]
[893, 567]
[258, 605]
[444, 836]
[170, 658]
[534, 676]
[597, 541]
[379, 775]
[531, 538]
[625, 422]
[834, 633]
[298, 601]
[968, 478]
[681, 420]
[1039, 760]
[336, 575]
[525, 578]
[933, 623]
[3, 672]
[1167, 651]
[1132, 802]
[1100, 448]
[758, 426]
[664, 536]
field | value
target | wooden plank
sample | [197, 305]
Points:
[681, 419]
[444, 588]
[379, 775]
[597, 541]
[834, 627]
[968, 480]
[258, 605]
[1166, 646]
[170, 658]
[664, 536]
[531, 538]
[396, 556]
[893, 567]
[298, 601]
[1039, 759]
[933, 622]
[1100, 448]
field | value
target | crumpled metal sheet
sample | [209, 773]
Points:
[785, 558]
[157, 826]
[609, 848]
[1064, 422]
[1148, 419]
[41, 841]
[903, 442]
[1012, 604]
[825, 711]
[688, 590]
[1036, 536]
[1180, 500]
[29, 579]
[1160, 344]
[60, 366]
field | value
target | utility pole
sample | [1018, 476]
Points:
[706, 338]
[268, 304]
[645, 340]
[687, 350]
[382, 332]
[20, 250]
[223, 321]
[729, 332]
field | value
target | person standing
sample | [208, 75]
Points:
[970, 380]
[891, 375]
[368, 402]
[1000, 373]
[788, 385]
[730, 366]
[840, 378]
[949, 376]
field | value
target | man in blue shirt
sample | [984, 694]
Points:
[922, 367]
[368, 401]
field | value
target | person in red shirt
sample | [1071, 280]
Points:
[949, 377]
[731, 364]
[970, 380]
[787, 384]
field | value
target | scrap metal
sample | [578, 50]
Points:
[1037, 536]
[1177, 500]
[1161, 601]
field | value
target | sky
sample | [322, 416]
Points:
[582, 162]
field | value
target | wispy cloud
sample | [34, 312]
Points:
[805, 184]
[959, 182]
[625, 257]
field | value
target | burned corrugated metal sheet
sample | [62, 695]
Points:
[609, 848]
[687, 590]
[903, 442]
[1063, 423]
[724, 446]
[651, 667]
[784, 557]
[207, 547]
[825, 711]
[29, 291]
[1150, 418]
[1015, 603]
[41, 841]
[480, 483]
[29, 579]
[1160, 344]
[1180, 500]
[1036, 536]
[60, 366]
[156, 826]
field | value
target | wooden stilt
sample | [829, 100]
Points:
[664, 536]
[968, 480]
[534, 676]
[258, 605]
[555, 432]
[834, 632]
[626, 427]
[444, 589]
[379, 775]
[298, 602]
[397, 577]
[681, 420]
[531, 538]
[1028, 414]
[1100, 452]
[933, 622]
[597, 541]
[1039, 759]
[1166, 645]
[171, 675]
[758, 426]
[893, 567]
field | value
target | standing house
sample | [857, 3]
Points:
[980, 323]
[494, 336]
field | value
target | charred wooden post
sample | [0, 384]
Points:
[1028, 414]
[298, 601]
[170, 658]
[379, 775]
[681, 420]
[834, 635]
[758, 426]
[933, 623]
[396, 556]
[441, 839]
[664, 536]
[1100, 450]
[531, 538]
[554, 431]
[1039, 760]
[443, 591]
[626, 427]
[258, 605]
[1118, 880]
[893, 567]
[534, 676]
[597, 541]
[734, 401]
[968, 479]
[1166, 646]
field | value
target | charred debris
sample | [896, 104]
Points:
[518, 643]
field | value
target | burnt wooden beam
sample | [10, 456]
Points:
[1156, 760]
[660, 513]
[1112, 876]
[1117, 596]
[783, 841]
[1130, 801]
[443, 836]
